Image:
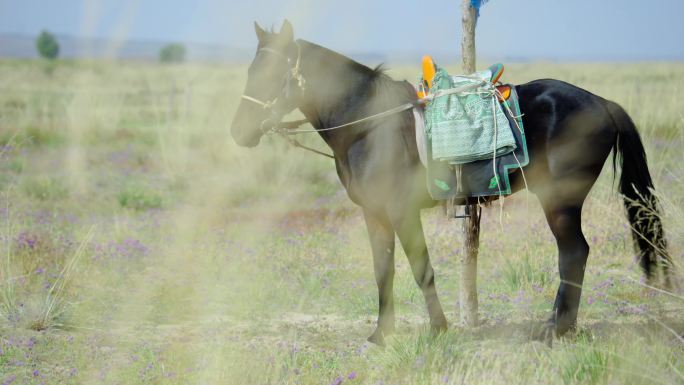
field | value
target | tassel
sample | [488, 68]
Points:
[477, 4]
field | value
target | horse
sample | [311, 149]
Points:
[570, 135]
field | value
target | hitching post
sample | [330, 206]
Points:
[471, 224]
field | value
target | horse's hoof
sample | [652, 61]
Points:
[439, 327]
[545, 332]
[377, 338]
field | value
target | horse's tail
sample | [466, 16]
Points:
[640, 202]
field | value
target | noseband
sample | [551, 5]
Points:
[270, 105]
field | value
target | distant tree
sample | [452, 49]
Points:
[47, 45]
[172, 53]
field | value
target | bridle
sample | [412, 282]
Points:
[272, 122]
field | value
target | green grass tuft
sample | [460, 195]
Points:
[139, 197]
[522, 273]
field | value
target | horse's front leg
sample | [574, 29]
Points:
[407, 224]
[381, 237]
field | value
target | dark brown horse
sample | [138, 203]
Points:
[570, 134]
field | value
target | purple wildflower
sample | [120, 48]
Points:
[36, 373]
[337, 381]
[9, 380]
[632, 309]
[27, 241]
[519, 298]
[128, 249]
[352, 375]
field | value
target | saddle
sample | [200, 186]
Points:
[478, 178]
[495, 70]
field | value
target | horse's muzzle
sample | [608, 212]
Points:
[243, 130]
[250, 140]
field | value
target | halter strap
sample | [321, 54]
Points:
[293, 73]
[259, 102]
[271, 50]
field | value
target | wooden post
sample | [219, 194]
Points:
[471, 224]
[468, 24]
[468, 284]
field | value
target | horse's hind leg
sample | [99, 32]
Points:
[573, 250]
[575, 154]
[381, 237]
[409, 229]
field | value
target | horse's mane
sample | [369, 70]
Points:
[377, 82]
[388, 92]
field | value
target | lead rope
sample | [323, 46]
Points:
[296, 143]
[284, 129]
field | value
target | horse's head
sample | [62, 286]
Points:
[273, 86]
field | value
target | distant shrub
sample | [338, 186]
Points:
[139, 198]
[47, 45]
[172, 53]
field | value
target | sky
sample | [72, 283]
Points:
[570, 29]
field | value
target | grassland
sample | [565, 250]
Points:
[140, 245]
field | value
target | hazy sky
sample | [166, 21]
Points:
[613, 29]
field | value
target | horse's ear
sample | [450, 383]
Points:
[286, 31]
[260, 33]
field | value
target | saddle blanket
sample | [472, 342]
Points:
[464, 122]
[481, 177]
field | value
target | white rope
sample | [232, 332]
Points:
[395, 110]
[517, 125]
[458, 90]
[496, 175]
[495, 95]
[401, 108]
